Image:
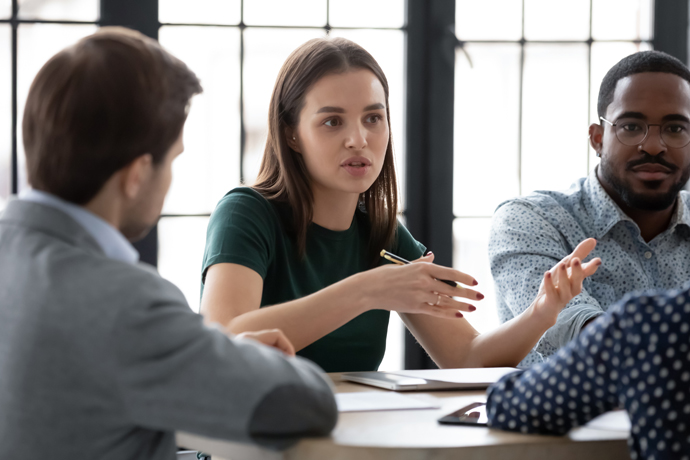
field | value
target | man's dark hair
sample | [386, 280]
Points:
[644, 61]
[96, 106]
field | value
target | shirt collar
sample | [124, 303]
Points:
[112, 242]
[607, 213]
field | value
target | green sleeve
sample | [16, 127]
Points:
[406, 246]
[241, 231]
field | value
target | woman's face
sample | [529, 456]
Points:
[342, 132]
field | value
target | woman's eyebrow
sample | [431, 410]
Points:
[332, 109]
[376, 106]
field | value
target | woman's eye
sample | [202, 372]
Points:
[332, 122]
[373, 118]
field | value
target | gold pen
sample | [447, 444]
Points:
[400, 261]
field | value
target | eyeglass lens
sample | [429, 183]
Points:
[675, 134]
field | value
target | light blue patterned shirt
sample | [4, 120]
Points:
[529, 235]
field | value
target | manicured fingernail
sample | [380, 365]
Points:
[474, 282]
[563, 267]
[598, 262]
[458, 315]
[427, 253]
[480, 296]
[547, 275]
[576, 262]
[471, 308]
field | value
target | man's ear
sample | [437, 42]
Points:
[135, 175]
[291, 139]
[596, 135]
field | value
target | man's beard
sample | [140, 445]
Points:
[644, 201]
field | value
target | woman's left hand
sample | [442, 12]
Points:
[564, 281]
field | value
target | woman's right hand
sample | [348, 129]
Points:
[415, 288]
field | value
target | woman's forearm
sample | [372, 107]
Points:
[308, 319]
[509, 343]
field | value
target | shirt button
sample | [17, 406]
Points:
[648, 255]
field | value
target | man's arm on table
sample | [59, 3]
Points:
[177, 374]
[522, 246]
[574, 386]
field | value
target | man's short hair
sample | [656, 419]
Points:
[96, 106]
[644, 61]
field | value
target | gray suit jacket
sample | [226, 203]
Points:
[104, 360]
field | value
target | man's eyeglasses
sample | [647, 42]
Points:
[631, 131]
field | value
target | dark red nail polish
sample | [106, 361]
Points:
[427, 253]
[471, 308]
[598, 262]
[480, 296]
[458, 315]
[576, 262]
[474, 282]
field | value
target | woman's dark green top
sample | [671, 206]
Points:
[249, 230]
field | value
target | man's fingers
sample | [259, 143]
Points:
[284, 344]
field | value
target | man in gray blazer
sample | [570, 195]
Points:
[101, 358]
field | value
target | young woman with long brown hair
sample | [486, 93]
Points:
[304, 240]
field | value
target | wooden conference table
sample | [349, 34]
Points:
[415, 435]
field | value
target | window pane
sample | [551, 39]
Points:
[265, 52]
[554, 134]
[5, 114]
[210, 165]
[479, 20]
[394, 358]
[487, 112]
[379, 13]
[470, 249]
[604, 56]
[282, 13]
[388, 48]
[5, 9]
[68, 10]
[556, 20]
[36, 43]
[181, 243]
[200, 11]
[622, 19]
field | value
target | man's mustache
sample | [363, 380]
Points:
[652, 160]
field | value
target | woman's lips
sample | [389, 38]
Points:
[356, 166]
[357, 171]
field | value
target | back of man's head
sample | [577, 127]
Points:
[96, 106]
[644, 61]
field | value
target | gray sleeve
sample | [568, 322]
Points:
[522, 246]
[177, 374]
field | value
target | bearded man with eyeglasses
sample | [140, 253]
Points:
[632, 203]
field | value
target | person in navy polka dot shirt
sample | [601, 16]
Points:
[632, 204]
[636, 357]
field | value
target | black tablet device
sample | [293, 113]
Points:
[472, 414]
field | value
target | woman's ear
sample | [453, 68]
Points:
[596, 134]
[291, 139]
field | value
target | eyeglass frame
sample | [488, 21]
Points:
[614, 124]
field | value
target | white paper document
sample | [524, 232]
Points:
[486, 375]
[378, 400]
[616, 420]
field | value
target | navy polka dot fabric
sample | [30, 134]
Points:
[636, 357]
[530, 235]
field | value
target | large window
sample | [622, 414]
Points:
[237, 48]
[30, 33]
[523, 105]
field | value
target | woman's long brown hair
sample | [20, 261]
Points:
[283, 175]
